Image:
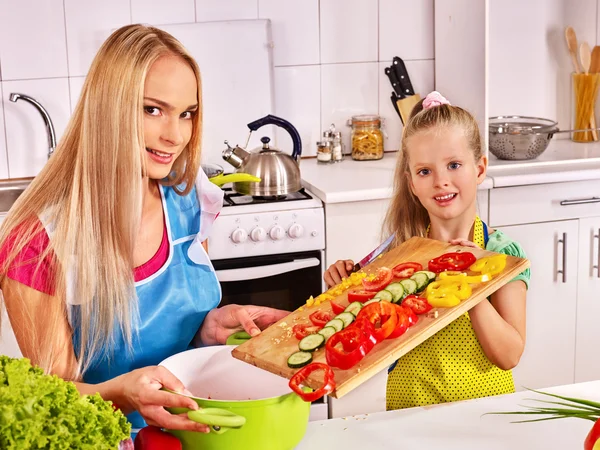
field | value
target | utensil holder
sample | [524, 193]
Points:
[585, 91]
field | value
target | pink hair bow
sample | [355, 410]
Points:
[434, 99]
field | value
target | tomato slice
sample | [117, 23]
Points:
[301, 330]
[403, 322]
[381, 280]
[360, 295]
[406, 270]
[336, 308]
[320, 318]
[304, 373]
[452, 261]
[419, 305]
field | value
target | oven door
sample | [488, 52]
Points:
[278, 281]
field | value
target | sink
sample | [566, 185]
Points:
[9, 192]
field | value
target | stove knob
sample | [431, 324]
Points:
[296, 231]
[239, 235]
[258, 234]
[276, 233]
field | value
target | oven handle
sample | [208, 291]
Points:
[252, 273]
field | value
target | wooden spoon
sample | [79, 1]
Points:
[571, 38]
[585, 54]
[595, 65]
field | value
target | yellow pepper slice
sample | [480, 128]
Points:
[490, 265]
[462, 276]
[443, 300]
[460, 289]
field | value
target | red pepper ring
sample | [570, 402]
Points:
[383, 316]
[300, 376]
[355, 345]
[452, 261]
[403, 322]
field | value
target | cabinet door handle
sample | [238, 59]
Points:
[597, 266]
[580, 201]
[563, 271]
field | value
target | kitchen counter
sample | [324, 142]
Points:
[351, 181]
[456, 426]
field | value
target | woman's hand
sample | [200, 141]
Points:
[338, 270]
[220, 323]
[141, 391]
[464, 243]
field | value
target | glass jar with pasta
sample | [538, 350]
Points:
[367, 137]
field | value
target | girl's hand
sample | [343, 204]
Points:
[220, 323]
[340, 269]
[142, 392]
[464, 243]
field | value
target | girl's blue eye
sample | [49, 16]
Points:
[188, 114]
[152, 110]
[454, 165]
[423, 172]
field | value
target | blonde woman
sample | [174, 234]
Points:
[103, 271]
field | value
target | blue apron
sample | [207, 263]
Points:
[173, 302]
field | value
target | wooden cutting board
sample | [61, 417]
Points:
[273, 346]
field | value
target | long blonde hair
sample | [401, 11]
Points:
[407, 217]
[90, 191]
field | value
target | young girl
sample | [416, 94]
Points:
[438, 171]
[102, 266]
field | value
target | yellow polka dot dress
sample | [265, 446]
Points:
[449, 366]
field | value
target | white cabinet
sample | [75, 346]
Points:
[549, 356]
[587, 362]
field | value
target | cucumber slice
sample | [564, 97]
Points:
[327, 332]
[337, 324]
[421, 279]
[430, 275]
[410, 287]
[384, 295]
[299, 359]
[354, 308]
[346, 317]
[311, 342]
[373, 300]
[397, 290]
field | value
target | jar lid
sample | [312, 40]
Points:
[324, 143]
[366, 119]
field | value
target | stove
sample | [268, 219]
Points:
[257, 226]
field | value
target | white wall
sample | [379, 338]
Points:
[329, 57]
[529, 64]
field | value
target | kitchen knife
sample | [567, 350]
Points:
[374, 254]
[410, 99]
[391, 74]
[402, 76]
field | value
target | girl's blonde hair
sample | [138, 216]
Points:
[407, 217]
[90, 192]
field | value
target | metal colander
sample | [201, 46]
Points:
[520, 137]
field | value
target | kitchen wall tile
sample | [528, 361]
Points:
[214, 10]
[298, 100]
[32, 39]
[348, 90]
[160, 12]
[89, 23]
[75, 86]
[295, 26]
[422, 77]
[406, 29]
[349, 31]
[3, 155]
[26, 135]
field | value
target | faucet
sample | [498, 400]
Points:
[48, 121]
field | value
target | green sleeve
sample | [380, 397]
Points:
[500, 243]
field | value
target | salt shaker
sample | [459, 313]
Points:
[336, 147]
[324, 154]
